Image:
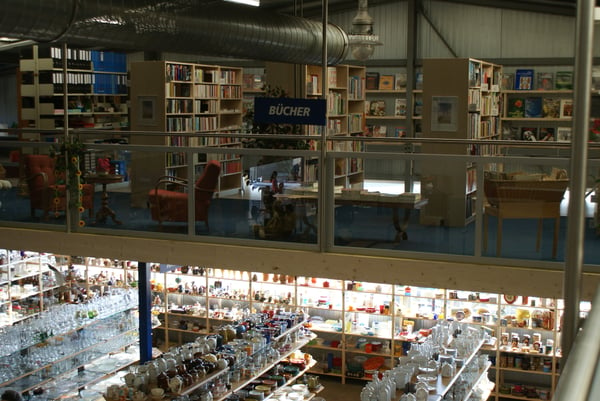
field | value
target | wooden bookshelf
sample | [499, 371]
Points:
[184, 99]
[461, 100]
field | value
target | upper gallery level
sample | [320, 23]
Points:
[386, 209]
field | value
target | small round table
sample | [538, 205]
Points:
[105, 179]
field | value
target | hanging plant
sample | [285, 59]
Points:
[67, 155]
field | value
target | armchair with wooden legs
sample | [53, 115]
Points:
[170, 205]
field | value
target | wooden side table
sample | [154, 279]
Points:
[105, 179]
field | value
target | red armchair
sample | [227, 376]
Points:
[171, 205]
[44, 188]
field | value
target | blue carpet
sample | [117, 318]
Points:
[354, 226]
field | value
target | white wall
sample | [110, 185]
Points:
[471, 31]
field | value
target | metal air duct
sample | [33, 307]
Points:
[180, 26]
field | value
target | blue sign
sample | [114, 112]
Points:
[283, 110]
[164, 268]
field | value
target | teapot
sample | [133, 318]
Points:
[408, 397]
[447, 370]
[129, 379]
[175, 384]
[421, 394]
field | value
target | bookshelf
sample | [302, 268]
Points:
[461, 100]
[96, 84]
[345, 113]
[537, 104]
[184, 99]
[387, 104]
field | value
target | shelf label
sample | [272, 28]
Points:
[279, 110]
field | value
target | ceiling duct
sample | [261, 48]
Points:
[180, 26]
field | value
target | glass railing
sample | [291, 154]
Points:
[374, 195]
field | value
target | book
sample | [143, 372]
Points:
[372, 80]
[379, 131]
[507, 82]
[400, 107]
[400, 132]
[419, 80]
[563, 134]
[566, 108]
[312, 85]
[529, 133]
[533, 107]
[546, 134]
[400, 82]
[524, 79]
[386, 82]
[545, 81]
[377, 108]
[516, 107]
[564, 80]
[551, 107]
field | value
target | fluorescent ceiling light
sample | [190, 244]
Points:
[254, 3]
[5, 39]
[597, 13]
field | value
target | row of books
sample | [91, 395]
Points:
[378, 108]
[534, 134]
[377, 81]
[382, 131]
[538, 107]
[529, 79]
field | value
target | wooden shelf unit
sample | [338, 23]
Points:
[184, 99]
[96, 89]
[461, 100]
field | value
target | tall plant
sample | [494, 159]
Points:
[68, 154]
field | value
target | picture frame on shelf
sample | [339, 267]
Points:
[444, 113]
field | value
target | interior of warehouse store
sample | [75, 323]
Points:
[317, 200]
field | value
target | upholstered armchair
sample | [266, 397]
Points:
[168, 199]
[46, 192]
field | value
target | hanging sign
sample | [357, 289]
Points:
[283, 110]
[168, 268]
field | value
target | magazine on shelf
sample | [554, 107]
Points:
[566, 108]
[386, 82]
[529, 134]
[400, 107]
[400, 83]
[372, 80]
[546, 134]
[551, 107]
[524, 79]
[507, 81]
[564, 80]
[545, 81]
[563, 134]
[533, 107]
[377, 108]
